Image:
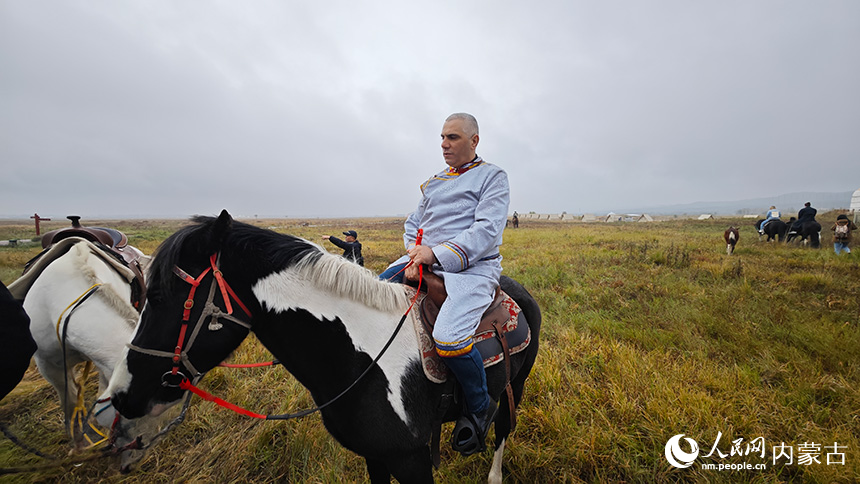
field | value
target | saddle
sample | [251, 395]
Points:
[501, 332]
[112, 238]
[111, 241]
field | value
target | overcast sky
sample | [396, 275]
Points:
[334, 109]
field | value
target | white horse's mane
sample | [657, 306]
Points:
[122, 306]
[342, 277]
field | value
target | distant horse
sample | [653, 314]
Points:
[80, 309]
[732, 235]
[16, 344]
[323, 318]
[775, 229]
[809, 233]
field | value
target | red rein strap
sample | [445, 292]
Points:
[418, 239]
[186, 385]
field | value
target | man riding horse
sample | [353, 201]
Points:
[806, 214]
[463, 211]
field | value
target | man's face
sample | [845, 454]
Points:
[457, 147]
[350, 238]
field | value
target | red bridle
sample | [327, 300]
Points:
[225, 288]
[169, 379]
[226, 293]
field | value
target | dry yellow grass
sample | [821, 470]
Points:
[650, 330]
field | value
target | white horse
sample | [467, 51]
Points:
[80, 311]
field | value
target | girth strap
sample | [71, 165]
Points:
[500, 334]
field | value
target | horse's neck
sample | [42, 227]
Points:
[288, 299]
[79, 269]
[331, 288]
[102, 319]
[327, 349]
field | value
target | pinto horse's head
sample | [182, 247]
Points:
[184, 329]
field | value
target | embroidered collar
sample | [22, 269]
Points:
[464, 168]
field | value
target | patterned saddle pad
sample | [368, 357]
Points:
[516, 331]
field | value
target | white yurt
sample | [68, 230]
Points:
[855, 204]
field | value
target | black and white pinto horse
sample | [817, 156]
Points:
[325, 319]
[774, 230]
[808, 231]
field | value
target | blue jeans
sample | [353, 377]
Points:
[391, 274]
[469, 371]
[841, 247]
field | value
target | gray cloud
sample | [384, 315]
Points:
[334, 109]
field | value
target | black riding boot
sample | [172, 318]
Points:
[471, 430]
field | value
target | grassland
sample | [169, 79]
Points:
[650, 330]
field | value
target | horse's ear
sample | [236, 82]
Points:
[222, 227]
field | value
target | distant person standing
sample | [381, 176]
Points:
[842, 234]
[351, 246]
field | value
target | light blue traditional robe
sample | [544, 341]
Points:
[463, 215]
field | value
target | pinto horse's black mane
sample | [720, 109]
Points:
[272, 250]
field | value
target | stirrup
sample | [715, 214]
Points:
[468, 438]
[464, 438]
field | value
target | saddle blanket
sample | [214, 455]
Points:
[22, 285]
[518, 336]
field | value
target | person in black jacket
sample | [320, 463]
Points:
[351, 246]
[806, 214]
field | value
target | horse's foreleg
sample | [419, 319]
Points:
[412, 467]
[377, 470]
[495, 476]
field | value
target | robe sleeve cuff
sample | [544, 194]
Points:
[451, 257]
